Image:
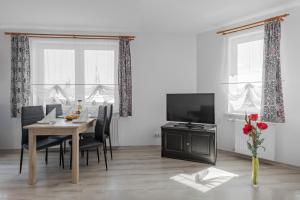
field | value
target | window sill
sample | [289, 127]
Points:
[234, 117]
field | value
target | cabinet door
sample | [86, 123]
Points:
[200, 144]
[174, 141]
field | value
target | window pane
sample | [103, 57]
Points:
[99, 76]
[59, 73]
[59, 66]
[99, 66]
[245, 97]
[250, 61]
[49, 94]
[245, 84]
[66, 70]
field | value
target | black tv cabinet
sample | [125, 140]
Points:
[193, 143]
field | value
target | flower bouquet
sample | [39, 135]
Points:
[253, 130]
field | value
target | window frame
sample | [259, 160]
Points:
[232, 55]
[38, 45]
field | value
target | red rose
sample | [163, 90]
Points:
[261, 125]
[253, 117]
[247, 129]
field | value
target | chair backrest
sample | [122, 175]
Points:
[101, 123]
[50, 107]
[30, 115]
[109, 117]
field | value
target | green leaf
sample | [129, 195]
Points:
[262, 147]
[258, 142]
[249, 146]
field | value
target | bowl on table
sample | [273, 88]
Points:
[71, 117]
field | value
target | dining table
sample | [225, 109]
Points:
[61, 127]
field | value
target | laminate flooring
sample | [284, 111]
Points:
[139, 173]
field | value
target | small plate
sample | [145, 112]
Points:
[41, 122]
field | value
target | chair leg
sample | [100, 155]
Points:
[105, 156]
[98, 155]
[61, 155]
[105, 146]
[65, 146]
[87, 157]
[71, 158]
[46, 156]
[63, 159]
[110, 146]
[21, 160]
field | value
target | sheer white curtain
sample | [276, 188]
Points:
[245, 79]
[64, 71]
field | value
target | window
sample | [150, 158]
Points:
[64, 71]
[245, 73]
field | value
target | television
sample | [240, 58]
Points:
[191, 108]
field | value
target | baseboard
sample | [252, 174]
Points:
[270, 162]
[142, 147]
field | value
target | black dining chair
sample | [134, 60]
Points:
[94, 142]
[30, 115]
[107, 130]
[59, 113]
[50, 107]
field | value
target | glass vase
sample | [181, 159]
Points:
[255, 168]
[79, 107]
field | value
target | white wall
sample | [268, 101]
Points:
[160, 64]
[10, 131]
[211, 74]
[211, 62]
[288, 134]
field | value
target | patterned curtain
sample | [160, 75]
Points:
[20, 74]
[125, 87]
[272, 102]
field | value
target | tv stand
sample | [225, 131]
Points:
[194, 142]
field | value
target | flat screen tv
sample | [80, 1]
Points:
[191, 108]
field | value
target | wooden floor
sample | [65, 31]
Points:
[140, 173]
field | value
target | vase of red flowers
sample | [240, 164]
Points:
[253, 129]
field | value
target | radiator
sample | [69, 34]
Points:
[114, 130]
[241, 141]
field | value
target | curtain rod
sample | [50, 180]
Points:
[252, 25]
[73, 36]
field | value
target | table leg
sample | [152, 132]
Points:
[32, 158]
[75, 157]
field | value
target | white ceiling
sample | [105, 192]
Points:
[172, 16]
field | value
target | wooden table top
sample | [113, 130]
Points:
[60, 123]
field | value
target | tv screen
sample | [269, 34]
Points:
[191, 108]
